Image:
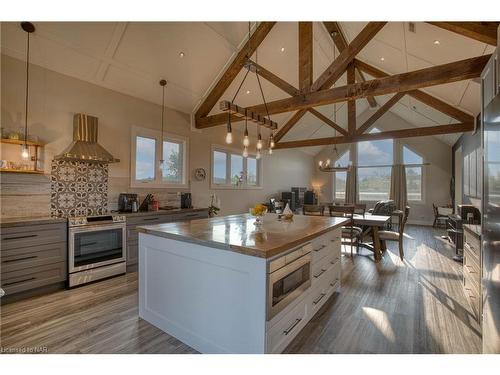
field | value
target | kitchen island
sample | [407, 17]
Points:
[223, 285]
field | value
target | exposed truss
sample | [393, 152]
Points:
[312, 94]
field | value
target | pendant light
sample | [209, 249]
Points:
[29, 28]
[326, 166]
[258, 146]
[163, 84]
[246, 140]
[229, 135]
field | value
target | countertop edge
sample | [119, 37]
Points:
[241, 249]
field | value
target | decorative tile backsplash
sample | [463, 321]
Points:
[78, 189]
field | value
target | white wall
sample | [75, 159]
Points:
[437, 175]
[54, 98]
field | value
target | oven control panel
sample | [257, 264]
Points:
[78, 221]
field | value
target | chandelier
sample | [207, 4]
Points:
[233, 109]
[328, 166]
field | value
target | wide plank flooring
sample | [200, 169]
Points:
[415, 306]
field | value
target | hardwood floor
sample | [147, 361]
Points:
[391, 307]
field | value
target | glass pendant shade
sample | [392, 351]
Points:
[25, 154]
[246, 140]
[245, 152]
[258, 156]
[229, 137]
[270, 151]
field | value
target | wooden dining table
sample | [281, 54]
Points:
[375, 222]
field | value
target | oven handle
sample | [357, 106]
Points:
[96, 228]
[294, 324]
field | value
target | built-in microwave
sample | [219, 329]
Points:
[288, 277]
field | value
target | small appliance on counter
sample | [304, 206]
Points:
[186, 200]
[128, 202]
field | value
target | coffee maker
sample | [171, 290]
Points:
[128, 202]
[186, 200]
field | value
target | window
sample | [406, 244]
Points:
[414, 174]
[375, 159]
[147, 151]
[145, 159]
[172, 166]
[341, 177]
[231, 170]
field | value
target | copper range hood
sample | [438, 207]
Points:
[84, 146]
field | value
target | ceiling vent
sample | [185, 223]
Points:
[411, 27]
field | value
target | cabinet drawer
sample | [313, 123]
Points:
[324, 289]
[473, 243]
[33, 235]
[26, 257]
[282, 333]
[472, 295]
[30, 278]
[324, 245]
[321, 268]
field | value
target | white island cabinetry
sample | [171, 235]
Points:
[208, 282]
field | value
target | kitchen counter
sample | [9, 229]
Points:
[6, 222]
[238, 232]
[221, 285]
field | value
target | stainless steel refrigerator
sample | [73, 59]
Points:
[491, 227]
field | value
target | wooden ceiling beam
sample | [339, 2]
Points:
[351, 104]
[244, 113]
[391, 134]
[275, 80]
[234, 68]
[327, 121]
[421, 96]
[335, 32]
[435, 75]
[338, 67]
[305, 56]
[485, 32]
[289, 124]
[380, 112]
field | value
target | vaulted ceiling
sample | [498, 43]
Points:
[132, 57]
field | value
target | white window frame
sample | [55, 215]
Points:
[158, 181]
[422, 199]
[229, 186]
[394, 160]
[334, 176]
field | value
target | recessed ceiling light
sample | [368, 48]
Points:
[282, 49]
[181, 55]
[382, 59]
[248, 91]
[437, 42]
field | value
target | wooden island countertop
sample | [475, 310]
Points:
[238, 232]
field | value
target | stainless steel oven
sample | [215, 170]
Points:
[288, 277]
[96, 248]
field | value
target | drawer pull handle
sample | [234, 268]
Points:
[334, 283]
[19, 237]
[319, 274]
[334, 261]
[319, 299]
[191, 215]
[289, 329]
[20, 281]
[151, 218]
[20, 259]
[320, 248]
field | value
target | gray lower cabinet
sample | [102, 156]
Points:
[32, 256]
[134, 221]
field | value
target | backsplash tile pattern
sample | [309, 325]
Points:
[78, 189]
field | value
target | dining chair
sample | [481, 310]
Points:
[349, 231]
[388, 235]
[360, 208]
[438, 217]
[313, 210]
